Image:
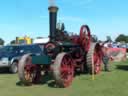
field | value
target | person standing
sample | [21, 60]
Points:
[105, 57]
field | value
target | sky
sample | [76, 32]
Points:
[31, 17]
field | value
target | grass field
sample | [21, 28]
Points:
[114, 83]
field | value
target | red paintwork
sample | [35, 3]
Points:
[85, 38]
[67, 70]
[97, 63]
[97, 57]
[33, 69]
[50, 46]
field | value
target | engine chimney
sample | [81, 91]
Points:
[52, 21]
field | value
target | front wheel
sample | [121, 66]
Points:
[28, 72]
[63, 70]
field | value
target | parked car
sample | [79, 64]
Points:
[10, 55]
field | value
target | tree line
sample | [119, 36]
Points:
[2, 42]
[120, 38]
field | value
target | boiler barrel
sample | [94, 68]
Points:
[52, 21]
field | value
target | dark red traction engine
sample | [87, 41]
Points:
[63, 56]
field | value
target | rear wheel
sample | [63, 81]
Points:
[28, 72]
[94, 59]
[63, 70]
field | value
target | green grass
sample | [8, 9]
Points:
[114, 83]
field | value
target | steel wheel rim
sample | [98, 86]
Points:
[94, 59]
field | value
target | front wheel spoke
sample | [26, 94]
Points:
[64, 69]
[64, 75]
[68, 61]
[27, 75]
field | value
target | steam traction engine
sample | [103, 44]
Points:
[63, 55]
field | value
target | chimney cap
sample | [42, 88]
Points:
[53, 8]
